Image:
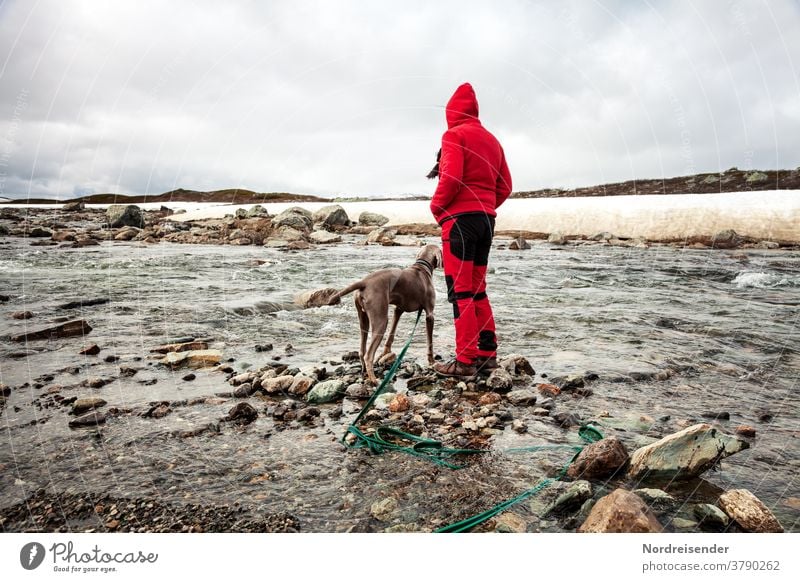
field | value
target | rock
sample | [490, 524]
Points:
[710, 516]
[523, 397]
[296, 218]
[519, 426]
[384, 509]
[754, 177]
[180, 347]
[599, 460]
[571, 382]
[119, 215]
[500, 380]
[242, 378]
[242, 413]
[684, 454]
[128, 233]
[387, 359]
[508, 522]
[331, 216]
[620, 512]
[39, 232]
[539, 411]
[275, 385]
[158, 410]
[189, 377]
[192, 358]
[316, 298]
[727, 239]
[681, 523]
[382, 235]
[399, 403]
[746, 431]
[566, 419]
[244, 390]
[323, 237]
[768, 245]
[263, 347]
[656, 498]
[372, 219]
[73, 206]
[489, 398]
[556, 238]
[22, 315]
[749, 512]
[91, 419]
[572, 498]
[419, 401]
[92, 350]
[301, 385]
[69, 329]
[326, 391]
[602, 236]
[82, 405]
[257, 211]
[358, 390]
[95, 382]
[548, 389]
[517, 365]
[519, 244]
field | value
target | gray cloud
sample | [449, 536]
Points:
[346, 97]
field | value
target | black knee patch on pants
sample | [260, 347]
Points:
[479, 296]
[487, 341]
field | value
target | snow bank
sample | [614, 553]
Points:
[771, 214]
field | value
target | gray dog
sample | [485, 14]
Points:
[409, 290]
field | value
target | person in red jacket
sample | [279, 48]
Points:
[473, 182]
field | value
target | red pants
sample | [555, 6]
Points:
[466, 241]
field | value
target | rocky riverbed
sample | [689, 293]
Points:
[187, 388]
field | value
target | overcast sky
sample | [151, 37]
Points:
[346, 98]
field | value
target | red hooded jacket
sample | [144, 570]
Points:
[473, 175]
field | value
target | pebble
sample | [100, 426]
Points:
[509, 522]
[746, 430]
[189, 377]
[384, 509]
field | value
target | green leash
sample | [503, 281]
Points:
[386, 438]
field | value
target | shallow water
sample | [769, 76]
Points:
[725, 325]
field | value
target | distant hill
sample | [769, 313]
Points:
[733, 180]
[231, 195]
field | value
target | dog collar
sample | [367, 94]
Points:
[426, 264]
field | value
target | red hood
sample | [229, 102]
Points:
[462, 106]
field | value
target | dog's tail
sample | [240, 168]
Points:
[336, 297]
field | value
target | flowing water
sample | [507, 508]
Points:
[722, 324]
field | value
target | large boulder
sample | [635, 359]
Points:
[119, 215]
[685, 454]
[73, 206]
[68, 329]
[372, 219]
[330, 217]
[82, 405]
[621, 512]
[296, 218]
[749, 512]
[316, 298]
[599, 460]
[727, 239]
[382, 236]
[192, 358]
[326, 391]
[324, 237]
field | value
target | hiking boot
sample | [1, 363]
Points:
[454, 369]
[486, 366]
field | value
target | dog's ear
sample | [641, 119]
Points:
[437, 258]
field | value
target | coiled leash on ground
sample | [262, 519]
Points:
[386, 438]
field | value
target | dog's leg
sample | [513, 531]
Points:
[377, 320]
[429, 330]
[363, 323]
[390, 340]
